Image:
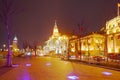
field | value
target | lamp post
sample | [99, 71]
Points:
[106, 48]
[4, 46]
[88, 41]
[80, 28]
[68, 49]
[80, 51]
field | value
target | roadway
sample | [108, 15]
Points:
[47, 68]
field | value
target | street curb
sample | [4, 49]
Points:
[93, 64]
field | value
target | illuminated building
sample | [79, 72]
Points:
[100, 45]
[73, 45]
[90, 45]
[93, 45]
[113, 35]
[15, 45]
[57, 43]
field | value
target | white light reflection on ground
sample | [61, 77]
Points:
[15, 65]
[72, 76]
[66, 62]
[48, 64]
[28, 65]
[107, 73]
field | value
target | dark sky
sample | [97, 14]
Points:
[33, 20]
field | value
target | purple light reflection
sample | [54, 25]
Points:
[48, 64]
[107, 73]
[25, 76]
[72, 76]
[15, 65]
[28, 65]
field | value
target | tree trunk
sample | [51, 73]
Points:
[9, 58]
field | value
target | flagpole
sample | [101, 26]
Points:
[118, 9]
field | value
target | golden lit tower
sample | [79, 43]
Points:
[15, 44]
[56, 44]
[55, 30]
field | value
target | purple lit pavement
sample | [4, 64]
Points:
[47, 68]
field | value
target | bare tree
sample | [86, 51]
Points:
[25, 45]
[6, 11]
[35, 47]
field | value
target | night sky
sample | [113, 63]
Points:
[33, 20]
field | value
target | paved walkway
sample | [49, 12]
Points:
[47, 68]
[34, 69]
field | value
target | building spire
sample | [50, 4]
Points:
[55, 31]
[15, 38]
[55, 22]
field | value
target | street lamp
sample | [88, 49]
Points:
[4, 46]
